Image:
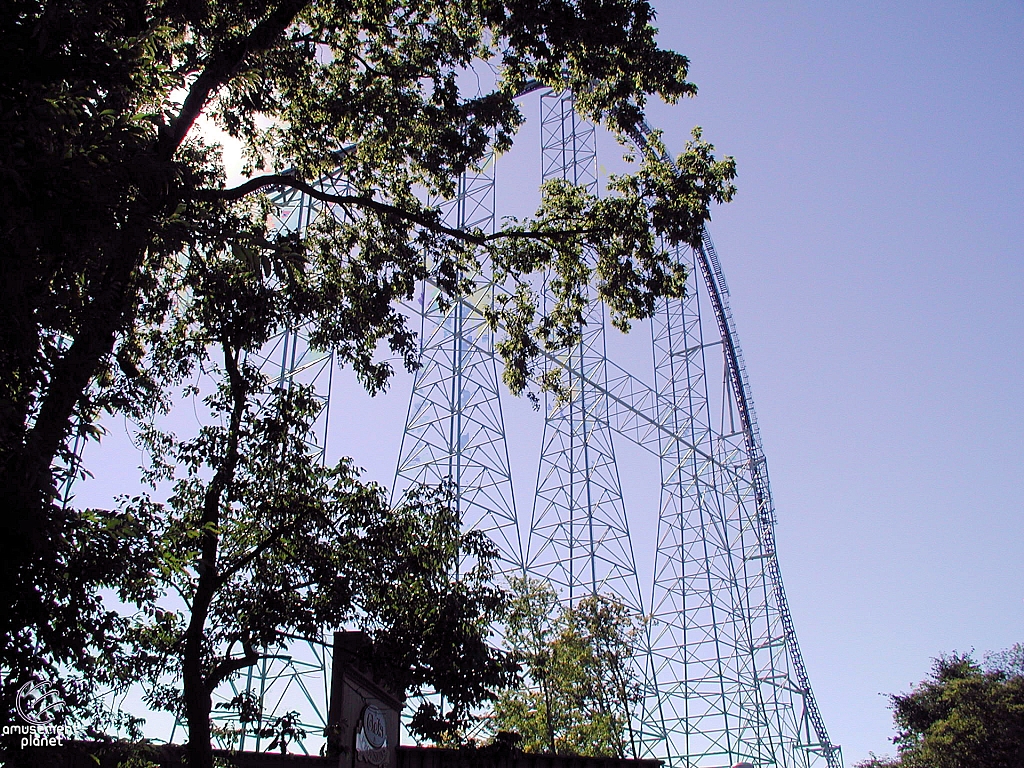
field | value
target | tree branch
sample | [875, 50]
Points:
[221, 67]
[362, 201]
[223, 669]
[272, 538]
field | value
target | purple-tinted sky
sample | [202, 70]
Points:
[874, 256]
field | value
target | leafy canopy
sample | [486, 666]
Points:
[964, 714]
[581, 682]
[250, 543]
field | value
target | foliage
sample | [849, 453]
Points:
[125, 260]
[258, 544]
[874, 761]
[961, 716]
[581, 685]
[1010, 661]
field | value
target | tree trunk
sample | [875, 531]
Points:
[196, 689]
[38, 530]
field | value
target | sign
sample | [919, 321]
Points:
[372, 737]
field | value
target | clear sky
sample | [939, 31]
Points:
[875, 257]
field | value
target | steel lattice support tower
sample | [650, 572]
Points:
[725, 680]
[579, 534]
[725, 676]
[455, 430]
[701, 696]
[790, 712]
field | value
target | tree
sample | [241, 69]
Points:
[110, 195]
[257, 544]
[580, 688]
[962, 715]
[1009, 661]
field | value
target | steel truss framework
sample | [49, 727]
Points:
[723, 676]
[579, 534]
[455, 430]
